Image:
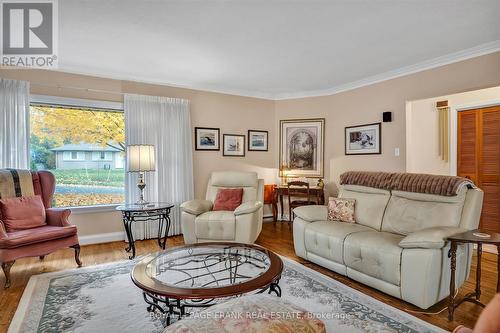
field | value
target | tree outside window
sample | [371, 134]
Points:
[84, 148]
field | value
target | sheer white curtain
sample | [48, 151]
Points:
[14, 124]
[166, 123]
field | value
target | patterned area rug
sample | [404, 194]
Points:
[104, 299]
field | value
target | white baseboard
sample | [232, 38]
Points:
[102, 238]
[488, 248]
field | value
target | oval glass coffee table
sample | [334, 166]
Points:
[193, 276]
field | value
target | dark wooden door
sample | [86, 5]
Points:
[479, 158]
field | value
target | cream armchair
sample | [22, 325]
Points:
[201, 224]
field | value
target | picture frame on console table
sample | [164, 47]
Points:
[258, 140]
[207, 138]
[363, 139]
[302, 147]
[233, 145]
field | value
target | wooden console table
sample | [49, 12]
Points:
[469, 238]
[315, 191]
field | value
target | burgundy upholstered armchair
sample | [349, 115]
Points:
[56, 233]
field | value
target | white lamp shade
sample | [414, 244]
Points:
[140, 158]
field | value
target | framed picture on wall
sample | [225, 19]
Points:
[257, 140]
[234, 145]
[363, 139]
[302, 147]
[207, 138]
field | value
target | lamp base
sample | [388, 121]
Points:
[141, 185]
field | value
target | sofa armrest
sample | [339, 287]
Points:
[312, 213]
[196, 207]
[430, 238]
[58, 216]
[248, 207]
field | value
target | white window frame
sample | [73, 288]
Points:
[79, 102]
[68, 156]
[108, 156]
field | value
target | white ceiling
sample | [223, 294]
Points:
[272, 49]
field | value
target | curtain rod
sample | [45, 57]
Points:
[59, 87]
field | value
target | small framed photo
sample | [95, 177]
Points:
[207, 138]
[257, 140]
[234, 145]
[363, 139]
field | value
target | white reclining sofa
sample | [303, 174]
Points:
[396, 244]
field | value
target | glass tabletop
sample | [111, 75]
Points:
[210, 266]
[144, 207]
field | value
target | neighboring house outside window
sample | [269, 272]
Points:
[83, 146]
[88, 156]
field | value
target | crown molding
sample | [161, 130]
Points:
[470, 53]
[473, 52]
[117, 76]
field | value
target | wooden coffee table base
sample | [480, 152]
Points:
[173, 308]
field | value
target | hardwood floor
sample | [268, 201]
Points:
[276, 237]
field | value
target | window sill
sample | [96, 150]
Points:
[92, 209]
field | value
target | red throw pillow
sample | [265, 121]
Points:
[22, 213]
[228, 199]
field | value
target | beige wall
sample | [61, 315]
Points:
[422, 129]
[97, 223]
[232, 114]
[365, 105]
[236, 115]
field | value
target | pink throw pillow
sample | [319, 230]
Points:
[22, 213]
[228, 199]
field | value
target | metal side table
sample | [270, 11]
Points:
[153, 211]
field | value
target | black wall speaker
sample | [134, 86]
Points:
[387, 117]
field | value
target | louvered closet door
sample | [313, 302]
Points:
[489, 167]
[468, 145]
[479, 158]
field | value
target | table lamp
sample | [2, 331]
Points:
[284, 171]
[141, 158]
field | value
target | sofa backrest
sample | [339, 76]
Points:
[44, 183]
[253, 188]
[370, 204]
[408, 212]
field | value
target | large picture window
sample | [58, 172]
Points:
[84, 148]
